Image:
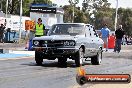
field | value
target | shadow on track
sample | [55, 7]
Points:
[70, 64]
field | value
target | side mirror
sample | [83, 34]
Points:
[96, 34]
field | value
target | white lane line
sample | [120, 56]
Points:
[17, 58]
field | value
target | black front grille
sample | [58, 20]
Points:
[49, 43]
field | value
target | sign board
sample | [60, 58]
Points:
[15, 20]
[29, 25]
[8, 23]
[43, 9]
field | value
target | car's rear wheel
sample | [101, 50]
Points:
[38, 58]
[96, 60]
[79, 57]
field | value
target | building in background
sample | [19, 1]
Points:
[12, 24]
[49, 14]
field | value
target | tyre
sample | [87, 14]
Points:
[38, 58]
[62, 61]
[79, 58]
[96, 60]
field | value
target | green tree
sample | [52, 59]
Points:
[42, 1]
[14, 6]
[73, 2]
[125, 18]
[79, 17]
[101, 11]
[67, 13]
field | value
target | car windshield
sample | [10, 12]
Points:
[67, 29]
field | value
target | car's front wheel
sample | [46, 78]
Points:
[79, 57]
[38, 58]
[96, 60]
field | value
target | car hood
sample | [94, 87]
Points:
[58, 37]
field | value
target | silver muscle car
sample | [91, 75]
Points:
[76, 41]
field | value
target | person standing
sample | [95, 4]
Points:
[104, 35]
[39, 28]
[2, 28]
[119, 33]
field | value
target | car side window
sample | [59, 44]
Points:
[88, 33]
[95, 33]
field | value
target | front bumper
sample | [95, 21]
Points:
[55, 52]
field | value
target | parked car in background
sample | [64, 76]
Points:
[76, 41]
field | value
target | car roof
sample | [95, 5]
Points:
[89, 25]
[71, 23]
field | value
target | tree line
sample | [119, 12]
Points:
[99, 12]
[95, 12]
[14, 6]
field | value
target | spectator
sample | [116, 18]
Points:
[104, 35]
[2, 27]
[119, 33]
[124, 40]
[129, 40]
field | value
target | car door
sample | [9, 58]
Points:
[94, 42]
[98, 41]
[89, 42]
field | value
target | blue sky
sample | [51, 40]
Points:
[122, 3]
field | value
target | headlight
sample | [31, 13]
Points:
[72, 43]
[69, 43]
[36, 43]
[66, 43]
